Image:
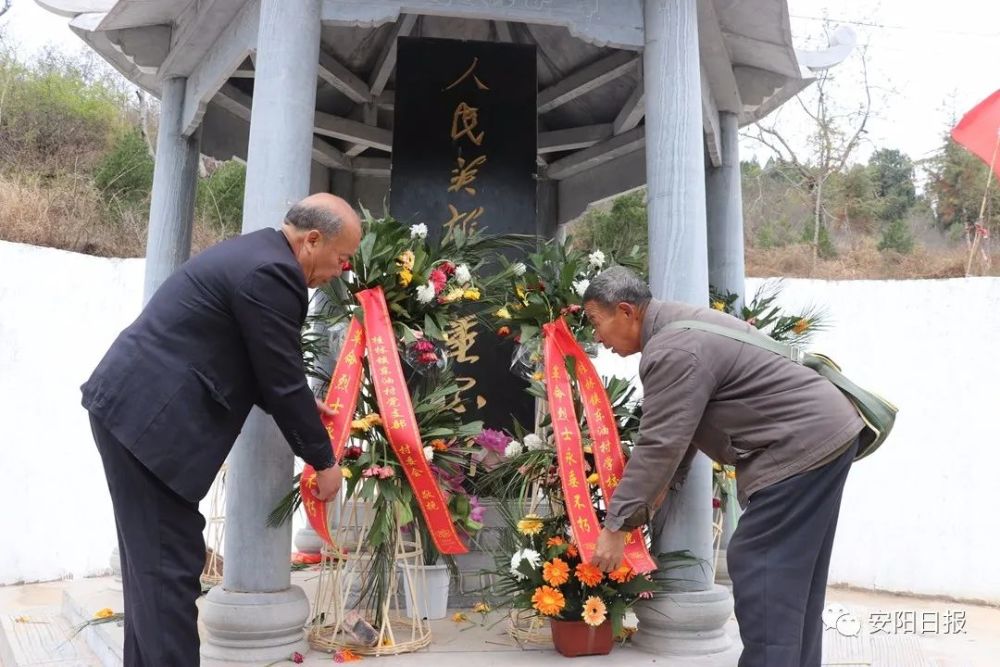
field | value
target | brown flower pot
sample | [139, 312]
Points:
[576, 638]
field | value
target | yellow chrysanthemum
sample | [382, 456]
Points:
[555, 572]
[482, 608]
[472, 294]
[360, 425]
[374, 419]
[801, 326]
[716, 467]
[588, 448]
[595, 611]
[589, 575]
[731, 474]
[405, 277]
[104, 613]
[538, 375]
[346, 472]
[406, 260]
[548, 601]
[593, 479]
[521, 294]
[531, 524]
[459, 617]
[503, 313]
[719, 305]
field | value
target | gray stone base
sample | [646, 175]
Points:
[722, 570]
[685, 624]
[253, 627]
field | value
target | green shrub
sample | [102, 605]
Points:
[125, 175]
[896, 236]
[220, 198]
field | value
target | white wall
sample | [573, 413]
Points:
[918, 516]
[59, 311]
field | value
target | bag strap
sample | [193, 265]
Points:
[753, 337]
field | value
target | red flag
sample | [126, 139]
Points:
[979, 131]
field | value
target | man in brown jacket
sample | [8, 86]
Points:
[790, 433]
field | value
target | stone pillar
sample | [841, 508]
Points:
[175, 181]
[256, 615]
[692, 620]
[171, 209]
[726, 272]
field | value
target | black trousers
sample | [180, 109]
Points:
[162, 553]
[779, 558]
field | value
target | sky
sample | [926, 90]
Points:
[928, 64]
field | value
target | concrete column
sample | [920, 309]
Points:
[175, 182]
[724, 199]
[689, 622]
[256, 615]
[726, 272]
[171, 208]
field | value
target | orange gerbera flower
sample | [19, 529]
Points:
[622, 574]
[589, 574]
[555, 572]
[439, 445]
[572, 552]
[595, 611]
[548, 601]
[555, 542]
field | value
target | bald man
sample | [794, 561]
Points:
[168, 399]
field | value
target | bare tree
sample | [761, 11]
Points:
[833, 138]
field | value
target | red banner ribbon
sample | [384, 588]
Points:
[398, 420]
[608, 456]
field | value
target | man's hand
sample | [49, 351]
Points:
[324, 409]
[328, 483]
[610, 550]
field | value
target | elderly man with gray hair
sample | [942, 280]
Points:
[790, 433]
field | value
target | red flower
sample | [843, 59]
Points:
[503, 331]
[297, 658]
[716, 503]
[423, 346]
[353, 452]
[438, 278]
[428, 358]
[346, 266]
[541, 286]
[448, 268]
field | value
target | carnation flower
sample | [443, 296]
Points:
[514, 448]
[596, 259]
[418, 231]
[426, 293]
[462, 274]
[478, 510]
[438, 278]
[580, 287]
[533, 443]
[429, 453]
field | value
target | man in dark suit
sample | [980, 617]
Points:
[170, 396]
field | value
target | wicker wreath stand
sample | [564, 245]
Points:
[344, 572]
[215, 530]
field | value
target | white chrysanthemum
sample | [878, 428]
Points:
[596, 259]
[429, 453]
[530, 555]
[418, 231]
[462, 274]
[519, 269]
[533, 443]
[426, 293]
[513, 448]
[580, 286]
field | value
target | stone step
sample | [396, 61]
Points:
[81, 600]
[42, 636]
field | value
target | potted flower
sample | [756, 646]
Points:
[542, 572]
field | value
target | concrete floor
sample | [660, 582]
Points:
[887, 632]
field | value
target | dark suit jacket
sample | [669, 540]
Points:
[220, 335]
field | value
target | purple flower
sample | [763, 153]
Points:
[478, 511]
[495, 441]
